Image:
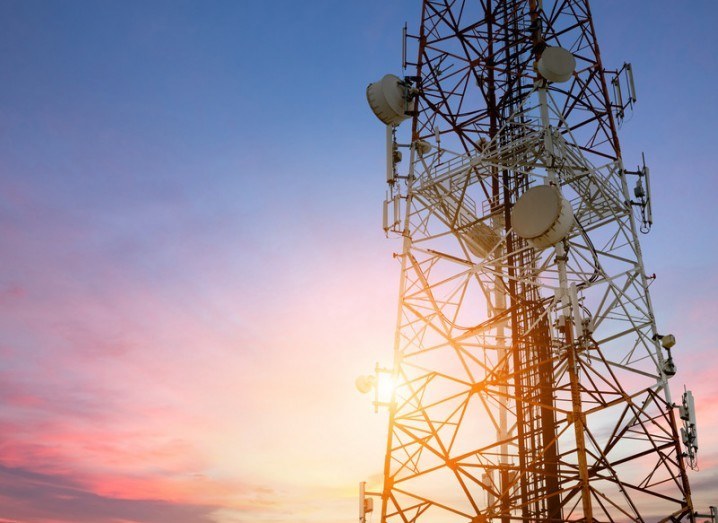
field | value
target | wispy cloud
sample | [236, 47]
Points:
[31, 497]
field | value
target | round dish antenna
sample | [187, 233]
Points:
[389, 99]
[556, 64]
[365, 383]
[481, 239]
[542, 216]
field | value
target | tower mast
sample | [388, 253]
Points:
[531, 382]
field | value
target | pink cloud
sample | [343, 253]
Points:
[48, 498]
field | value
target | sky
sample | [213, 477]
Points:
[192, 267]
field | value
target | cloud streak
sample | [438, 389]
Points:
[30, 497]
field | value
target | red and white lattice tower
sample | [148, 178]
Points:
[531, 383]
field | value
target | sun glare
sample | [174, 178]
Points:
[385, 387]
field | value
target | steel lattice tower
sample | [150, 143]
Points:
[531, 384]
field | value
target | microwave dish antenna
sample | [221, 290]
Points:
[556, 64]
[542, 216]
[390, 99]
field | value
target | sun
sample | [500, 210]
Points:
[385, 387]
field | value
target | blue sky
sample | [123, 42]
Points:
[192, 260]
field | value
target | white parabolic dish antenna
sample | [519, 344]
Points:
[365, 383]
[556, 64]
[388, 99]
[542, 216]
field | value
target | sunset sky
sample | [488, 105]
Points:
[192, 269]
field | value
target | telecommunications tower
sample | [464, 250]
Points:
[530, 380]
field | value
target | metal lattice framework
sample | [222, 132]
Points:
[529, 385]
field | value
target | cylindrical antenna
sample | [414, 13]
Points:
[403, 47]
[631, 85]
[389, 154]
[649, 205]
